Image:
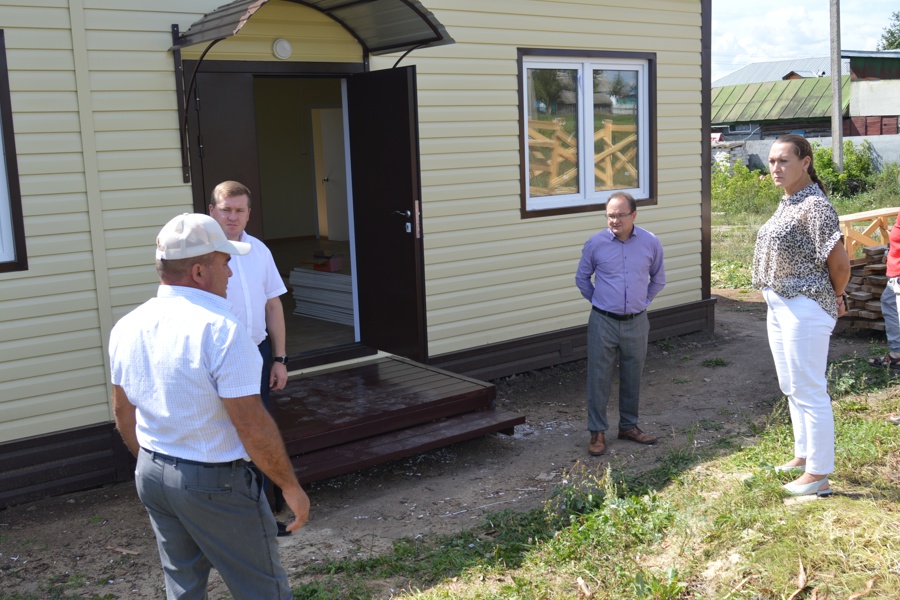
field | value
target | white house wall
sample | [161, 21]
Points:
[492, 276]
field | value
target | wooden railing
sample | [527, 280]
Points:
[877, 222]
[554, 151]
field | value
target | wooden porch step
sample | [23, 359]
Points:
[355, 455]
[330, 409]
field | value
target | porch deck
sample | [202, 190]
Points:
[345, 420]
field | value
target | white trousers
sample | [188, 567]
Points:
[799, 333]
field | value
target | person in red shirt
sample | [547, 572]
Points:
[889, 303]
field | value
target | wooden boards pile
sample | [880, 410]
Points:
[867, 282]
[323, 295]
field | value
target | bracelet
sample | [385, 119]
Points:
[842, 299]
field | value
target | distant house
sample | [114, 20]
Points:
[765, 100]
[405, 135]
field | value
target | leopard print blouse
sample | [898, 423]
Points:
[792, 248]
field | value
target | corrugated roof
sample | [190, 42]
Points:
[776, 100]
[775, 70]
[380, 26]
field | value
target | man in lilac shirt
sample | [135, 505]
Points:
[626, 263]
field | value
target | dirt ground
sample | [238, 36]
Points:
[99, 544]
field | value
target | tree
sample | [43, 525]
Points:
[890, 38]
[546, 86]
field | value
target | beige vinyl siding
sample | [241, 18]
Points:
[492, 276]
[94, 126]
[99, 155]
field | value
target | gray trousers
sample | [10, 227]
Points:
[211, 516]
[609, 339]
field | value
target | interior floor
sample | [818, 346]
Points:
[304, 333]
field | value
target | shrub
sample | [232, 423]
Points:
[859, 168]
[742, 190]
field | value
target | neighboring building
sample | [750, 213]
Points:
[874, 93]
[469, 197]
[754, 111]
[777, 70]
[765, 100]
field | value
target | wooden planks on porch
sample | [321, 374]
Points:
[345, 420]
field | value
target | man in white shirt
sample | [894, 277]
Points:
[186, 403]
[255, 287]
[254, 291]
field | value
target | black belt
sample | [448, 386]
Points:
[616, 316]
[240, 462]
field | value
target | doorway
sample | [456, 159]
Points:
[298, 140]
[302, 178]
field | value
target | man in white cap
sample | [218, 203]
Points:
[186, 399]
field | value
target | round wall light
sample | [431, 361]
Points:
[282, 49]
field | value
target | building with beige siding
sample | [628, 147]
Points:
[454, 154]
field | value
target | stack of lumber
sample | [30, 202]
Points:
[323, 295]
[867, 282]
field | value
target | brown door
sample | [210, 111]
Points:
[384, 158]
[222, 126]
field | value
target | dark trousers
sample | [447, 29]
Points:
[273, 493]
[265, 350]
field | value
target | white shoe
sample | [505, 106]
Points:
[819, 488]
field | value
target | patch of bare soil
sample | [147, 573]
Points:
[697, 388]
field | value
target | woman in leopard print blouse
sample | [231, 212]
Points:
[802, 268]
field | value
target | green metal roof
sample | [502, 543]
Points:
[777, 100]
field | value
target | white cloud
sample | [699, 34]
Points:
[767, 30]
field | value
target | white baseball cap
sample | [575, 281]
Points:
[194, 234]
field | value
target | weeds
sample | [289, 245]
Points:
[715, 362]
[651, 587]
[666, 345]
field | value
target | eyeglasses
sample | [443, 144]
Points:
[619, 216]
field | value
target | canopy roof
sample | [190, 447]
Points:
[380, 26]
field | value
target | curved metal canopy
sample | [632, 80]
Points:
[380, 26]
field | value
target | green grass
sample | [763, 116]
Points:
[705, 523]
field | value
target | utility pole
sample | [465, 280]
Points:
[837, 117]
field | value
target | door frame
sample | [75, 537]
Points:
[343, 71]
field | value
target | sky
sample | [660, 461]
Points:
[768, 30]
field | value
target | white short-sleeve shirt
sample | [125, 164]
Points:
[176, 356]
[254, 281]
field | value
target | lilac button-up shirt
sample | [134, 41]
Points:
[626, 275]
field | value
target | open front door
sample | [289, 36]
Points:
[384, 156]
[223, 142]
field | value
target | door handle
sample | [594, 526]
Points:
[324, 180]
[403, 213]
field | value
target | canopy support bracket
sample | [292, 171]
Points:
[182, 110]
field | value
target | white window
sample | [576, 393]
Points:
[12, 234]
[587, 129]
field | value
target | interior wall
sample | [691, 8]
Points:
[284, 140]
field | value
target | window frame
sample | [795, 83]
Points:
[13, 256]
[589, 200]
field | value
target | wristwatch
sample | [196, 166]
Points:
[282, 359]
